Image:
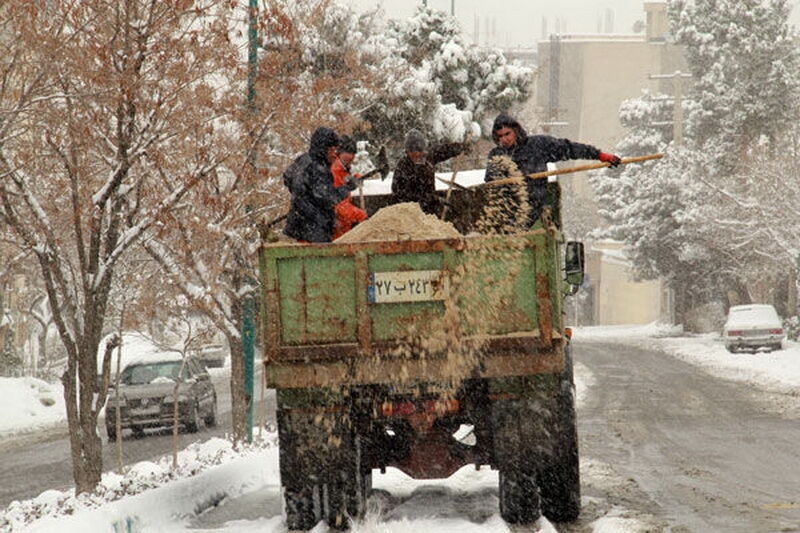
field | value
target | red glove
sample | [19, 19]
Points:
[609, 158]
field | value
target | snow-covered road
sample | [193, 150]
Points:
[465, 502]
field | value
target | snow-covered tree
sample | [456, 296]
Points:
[109, 114]
[448, 86]
[744, 62]
[694, 218]
[618, 190]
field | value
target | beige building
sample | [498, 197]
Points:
[582, 80]
[619, 298]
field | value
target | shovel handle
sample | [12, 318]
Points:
[540, 175]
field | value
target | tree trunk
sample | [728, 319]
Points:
[44, 364]
[239, 400]
[791, 297]
[80, 384]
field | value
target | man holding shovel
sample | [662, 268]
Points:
[415, 175]
[520, 154]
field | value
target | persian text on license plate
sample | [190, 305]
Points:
[408, 286]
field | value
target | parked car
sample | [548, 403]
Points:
[147, 395]
[753, 326]
[212, 355]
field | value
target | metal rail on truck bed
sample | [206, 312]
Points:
[339, 314]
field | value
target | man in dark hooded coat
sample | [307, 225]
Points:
[529, 154]
[414, 177]
[312, 213]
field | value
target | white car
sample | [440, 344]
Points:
[212, 355]
[753, 326]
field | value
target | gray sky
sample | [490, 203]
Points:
[519, 22]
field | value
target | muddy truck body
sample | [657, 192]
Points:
[425, 356]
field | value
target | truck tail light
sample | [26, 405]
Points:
[409, 408]
[735, 333]
[398, 409]
[442, 406]
[776, 331]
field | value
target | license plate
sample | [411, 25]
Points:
[146, 411]
[408, 286]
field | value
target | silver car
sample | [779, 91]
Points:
[753, 326]
[147, 396]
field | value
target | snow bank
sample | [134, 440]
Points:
[606, 333]
[30, 404]
[153, 496]
[777, 371]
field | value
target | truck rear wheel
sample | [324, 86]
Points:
[559, 473]
[516, 433]
[299, 507]
[321, 469]
[519, 496]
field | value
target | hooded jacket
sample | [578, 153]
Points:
[347, 214]
[530, 154]
[417, 183]
[312, 212]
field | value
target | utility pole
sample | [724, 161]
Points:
[452, 8]
[249, 304]
[678, 78]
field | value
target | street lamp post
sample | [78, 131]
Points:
[249, 304]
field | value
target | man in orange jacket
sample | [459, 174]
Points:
[347, 214]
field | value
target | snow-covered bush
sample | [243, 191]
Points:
[791, 326]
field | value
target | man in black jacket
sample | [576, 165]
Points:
[312, 213]
[520, 154]
[414, 177]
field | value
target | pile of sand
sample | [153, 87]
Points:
[400, 222]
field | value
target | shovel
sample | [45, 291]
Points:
[381, 168]
[450, 184]
[541, 175]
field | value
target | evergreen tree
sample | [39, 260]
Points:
[647, 132]
[744, 61]
[693, 217]
[414, 73]
[448, 86]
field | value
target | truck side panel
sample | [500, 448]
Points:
[317, 300]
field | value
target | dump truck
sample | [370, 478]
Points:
[426, 356]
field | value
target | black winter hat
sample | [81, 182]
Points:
[506, 121]
[416, 141]
[322, 139]
[347, 145]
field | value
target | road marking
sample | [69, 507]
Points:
[781, 506]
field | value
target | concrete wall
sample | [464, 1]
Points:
[620, 298]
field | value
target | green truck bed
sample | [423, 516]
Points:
[335, 314]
